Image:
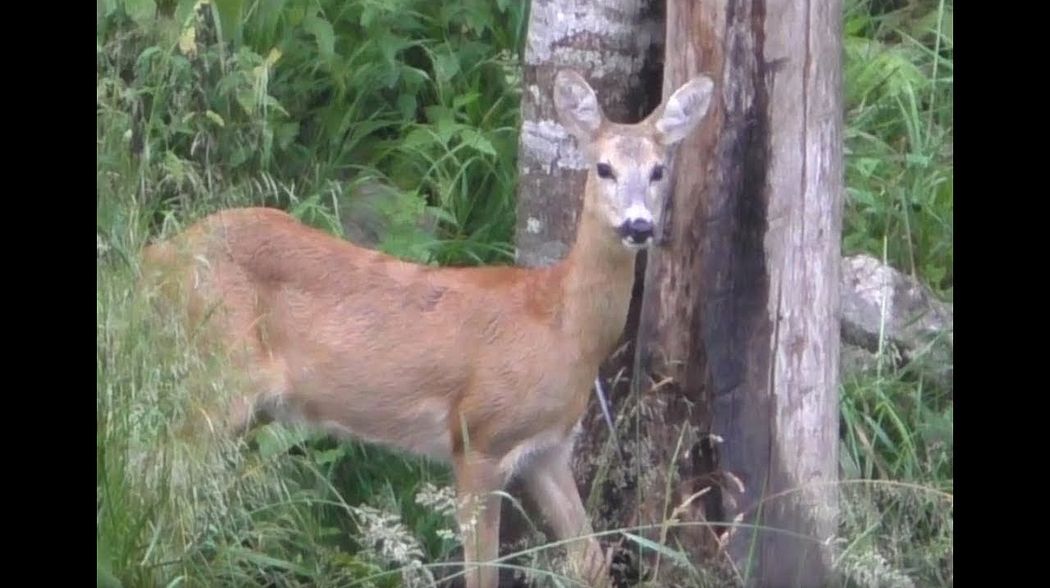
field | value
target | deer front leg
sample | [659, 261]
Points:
[550, 482]
[477, 481]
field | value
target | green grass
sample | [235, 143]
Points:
[897, 424]
[900, 137]
[315, 106]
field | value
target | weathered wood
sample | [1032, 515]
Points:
[740, 312]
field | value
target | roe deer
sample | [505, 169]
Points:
[489, 368]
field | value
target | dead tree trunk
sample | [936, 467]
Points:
[739, 335]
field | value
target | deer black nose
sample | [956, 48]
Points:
[637, 230]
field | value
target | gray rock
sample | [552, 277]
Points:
[373, 210]
[362, 213]
[857, 360]
[880, 303]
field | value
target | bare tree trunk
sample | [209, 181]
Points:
[739, 322]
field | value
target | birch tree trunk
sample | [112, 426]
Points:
[739, 321]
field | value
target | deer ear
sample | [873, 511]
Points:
[684, 109]
[576, 105]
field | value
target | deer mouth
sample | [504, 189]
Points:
[633, 245]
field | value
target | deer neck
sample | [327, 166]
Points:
[599, 279]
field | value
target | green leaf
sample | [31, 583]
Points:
[105, 8]
[239, 155]
[446, 66]
[854, 26]
[447, 128]
[480, 18]
[419, 137]
[141, 11]
[275, 439]
[464, 99]
[926, 26]
[444, 122]
[286, 133]
[322, 31]
[185, 11]
[230, 13]
[935, 274]
[104, 578]
[863, 197]
[850, 469]
[918, 160]
[406, 104]
[214, 116]
[267, 138]
[368, 15]
[867, 165]
[328, 456]
[478, 141]
[246, 98]
[443, 215]
[875, 70]
[414, 77]
[390, 45]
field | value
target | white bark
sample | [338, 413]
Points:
[616, 45]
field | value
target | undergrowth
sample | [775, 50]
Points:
[897, 440]
[361, 114]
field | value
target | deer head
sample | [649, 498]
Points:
[628, 179]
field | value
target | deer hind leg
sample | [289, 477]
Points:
[478, 480]
[548, 479]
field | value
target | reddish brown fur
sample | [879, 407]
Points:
[489, 367]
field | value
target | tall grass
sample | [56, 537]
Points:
[900, 137]
[317, 106]
[898, 425]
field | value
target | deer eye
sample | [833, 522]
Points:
[658, 174]
[604, 171]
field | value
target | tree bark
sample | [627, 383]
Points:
[740, 313]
